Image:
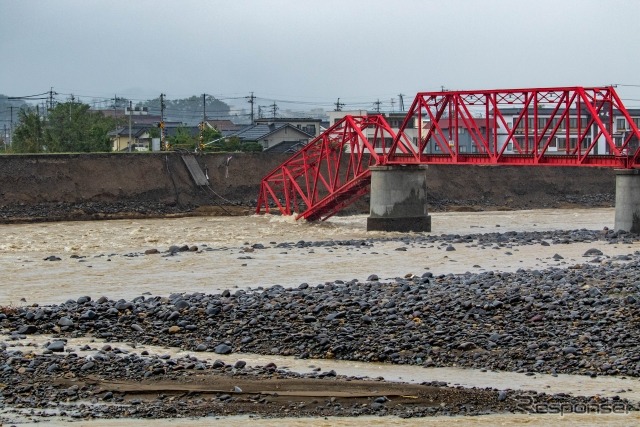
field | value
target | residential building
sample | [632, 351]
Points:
[274, 137]
[223, 126]
[449, 128]
[336, 116]
[140, 138]
[571, 127]
[491, 130]
[309, 126]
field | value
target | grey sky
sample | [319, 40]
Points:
[315, 51]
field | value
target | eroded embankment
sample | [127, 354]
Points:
[98, 186]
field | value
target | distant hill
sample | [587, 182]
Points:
[188, 110]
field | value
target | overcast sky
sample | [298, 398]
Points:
[314, 51]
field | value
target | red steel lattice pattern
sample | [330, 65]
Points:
[529, 121]
[330, 172]
[503, 127]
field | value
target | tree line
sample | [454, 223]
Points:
[74, 127]
[67, 127]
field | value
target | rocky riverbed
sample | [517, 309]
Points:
[117, 383]
[580, 318]
[113, 382]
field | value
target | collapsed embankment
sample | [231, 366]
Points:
[93, 186]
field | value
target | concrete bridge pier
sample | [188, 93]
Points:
[628, 200]
[398, 199]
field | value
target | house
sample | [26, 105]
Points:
[172, 128]
[274, 137]
[140, 139]
[307, 125]
[336, 116]
[223, 126]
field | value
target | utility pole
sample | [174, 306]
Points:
[401, 97]
[259, 111]
[274, 108]
[251, 100]
[377, 104]
[202, 125]
[162, 135]
[39, 128]
[393, 102]
[130, 114]
[338, 105]
[51, 93]
[204, 107]
[115, 118]
[11, 107]
[71, 102]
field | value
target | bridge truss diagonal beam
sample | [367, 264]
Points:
[330, 172]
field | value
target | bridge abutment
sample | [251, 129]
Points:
[398, 199]
[628, 200]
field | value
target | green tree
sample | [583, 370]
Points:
[210, 134]
[253, 147]
[232, 144]
[182, 139]
[69, 127]
[211, 138]
[154, 132]
[28, 136]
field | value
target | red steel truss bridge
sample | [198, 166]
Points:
[566, 126]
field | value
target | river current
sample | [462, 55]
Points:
[48, 263]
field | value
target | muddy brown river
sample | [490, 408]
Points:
[107, 258]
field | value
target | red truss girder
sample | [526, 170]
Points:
[330, 172]
[504, 127]
[528, 121]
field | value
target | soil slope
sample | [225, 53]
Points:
[95, 186]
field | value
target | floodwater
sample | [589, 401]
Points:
[107, 258]
[112, 262]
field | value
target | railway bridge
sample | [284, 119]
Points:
[562, 126]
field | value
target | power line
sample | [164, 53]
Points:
[187, 114]
[28, 96]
